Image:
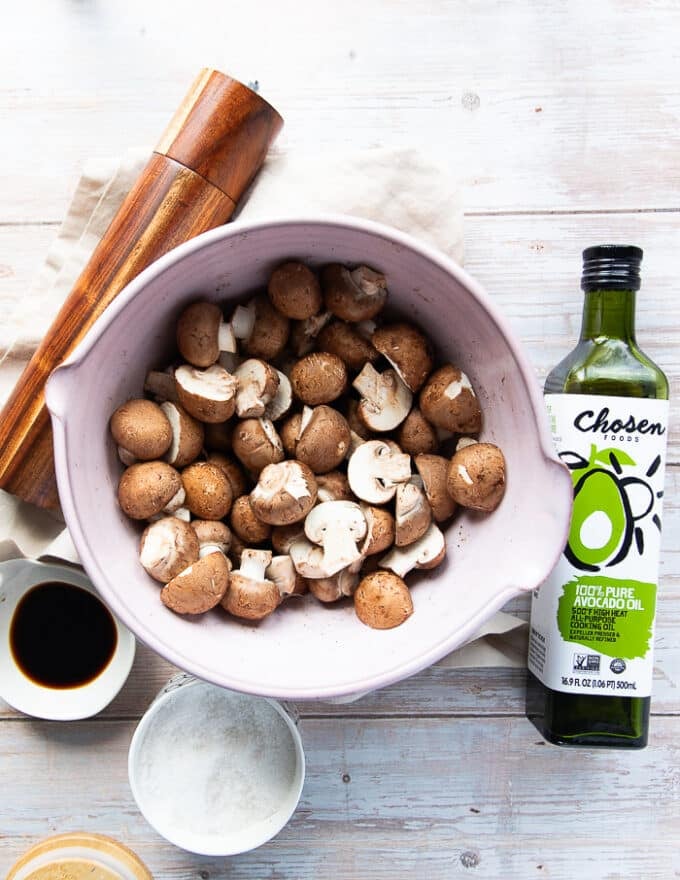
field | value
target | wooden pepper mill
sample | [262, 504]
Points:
[210, 153]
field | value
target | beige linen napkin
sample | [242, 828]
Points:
[403, 188]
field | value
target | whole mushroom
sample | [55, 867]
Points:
[141, 429]
[448, 401]
[476, 477]
[208, 491]
[294, 290]
[251, 594]
[202, 334]
[245, 524]
[416, 435]
[318, 377]
[167, 547]
[353, 295]
[323, 438]
[342, 339]
[147, 488]
[382, 600]
[199, 587]
[284, 494]
[256, 444]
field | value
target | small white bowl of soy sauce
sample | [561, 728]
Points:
[63, 655]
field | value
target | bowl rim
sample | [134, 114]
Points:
[236, 229]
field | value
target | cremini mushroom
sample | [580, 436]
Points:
[353, 295]
[426, 552]
[284, 494]
[251, 594]
[268, 332]
[448, 401]
[258, 382]
[433, 470]
[375, 469]
[476, 477]
[208, 395]
[342, 339]
[167, 547]
[141, 430]
[283, 537]
[385, 400]
[148, 487]
[282, 572]
[334, 486]
[333, 530]
[245, 524]
[202, 334]
[323, 438]
[412, 512]
[382, 600]
[355, 422]
[303, 334]
[342, 583]
[256, 444]
[416, 435]
[290, 434]
[380, 530]
[213, 536]
[294, 290]
[199, 587]
[161, 385]
[188, 435]
[407, 349]
[318, 377]
[232, 471]
[208, 491]
[282, 400]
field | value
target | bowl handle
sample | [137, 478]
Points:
[58, 390]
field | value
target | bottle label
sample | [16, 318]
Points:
[592, 621]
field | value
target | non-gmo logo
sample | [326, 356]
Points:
[617, 666]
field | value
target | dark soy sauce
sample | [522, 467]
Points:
[62, 636]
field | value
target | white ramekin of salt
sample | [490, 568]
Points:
[213, 771]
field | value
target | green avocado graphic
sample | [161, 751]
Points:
[597, 491]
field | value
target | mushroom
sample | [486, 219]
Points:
[318, 377]
[382, 600]
[269, 331]
[188, 435]
[167, 547]
[303, 334]
[465, 441]
[256, 444]
[342, 583]
[335, 525]
[282, 572]
[433, 470]
[283, 537]
[375, 469]
[476, 477]
[342, 339]
[208, 491]
[199, 587]
[251, 595]
[208, 395]
[380, 530]
[290, 434]
[232, 471]
[245, 524]
[282, 400]
[426, 552]
[407, 349]
[385, 400]
[161, 385]
[413, 513]
[257, 385]
[141, 430]
[146, 489]
[353, 295]
[213, 536]
[448, 401]
[202, 334]
[323, 438]
[284, 494]
[294, 290]
[334, 486]
[416, 435]
[356, 424]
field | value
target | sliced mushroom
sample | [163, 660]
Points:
[434, 470]
[318, 377]
[146, 489]
[342, 339]
[294, 290]
[353, 295]
[256, 444]
[251, 594]
[282, 572]
[257, 385]
[375, 469]
[334, 486]
[303, 334]
[284, 494]
[282, 400]
[199, 587]
[337, 526]
[413, 513]
[245, 524]
[323, 439]
[213, 536]
[208, 491]
[416, 435]
[167, 547]
[427, 552]
[202, 334]
[476, 477]
[380, 530]
[141, 429]
[269, 333]
[355, 422]
[208, 395]
[382, 600]
[188, 435]
[407, 349]
[232, 471]
[385, 400]
[448, 401]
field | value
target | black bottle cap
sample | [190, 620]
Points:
[611, 267]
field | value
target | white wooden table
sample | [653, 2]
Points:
[563, 120]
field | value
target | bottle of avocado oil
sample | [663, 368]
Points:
[592, 621]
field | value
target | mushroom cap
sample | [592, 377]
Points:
[188, 435]
[290, 434]
[324, 439]
[284, 494]
[232, 471]
[408, 350]
[161, 385]
[380, 530]
[342, 339]
[382, 600]
[207, 395]
[354, 420]
[245, 524]
[385, 399]
[416, 435]
[353, 295]
[167, 547]
[334, 486]
[426, 552]
[318, 377]
[375, 469]
[433, 470]
[208, 491]
[199, 587]
[270, 331]
[251, 595]
[256, 444]
[413, 513]
[258, 382]
[198, 333]
[448, 401]
[146, 488]
[212, 535]
[476, 477]
[294, 290]
[141, 428]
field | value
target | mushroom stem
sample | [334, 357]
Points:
[254, 563]
[243, 321]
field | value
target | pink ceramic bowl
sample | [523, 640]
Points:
[306, 650]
